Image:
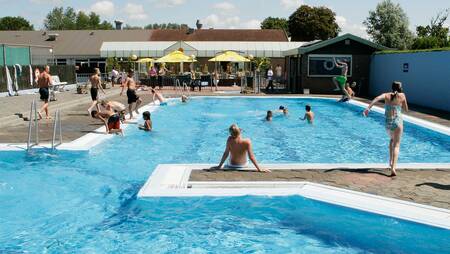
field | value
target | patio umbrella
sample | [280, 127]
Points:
[229, 56]
[175, 57]
[145, 60]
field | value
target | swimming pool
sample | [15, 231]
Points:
[86, 201]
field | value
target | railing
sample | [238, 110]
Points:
[84, 77]
[57, 127]
[34, 112]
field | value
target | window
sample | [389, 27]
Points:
[324, 66]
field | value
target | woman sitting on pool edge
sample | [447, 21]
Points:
[147, 126]
[238, 148]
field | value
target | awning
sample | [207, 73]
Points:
[229, 56]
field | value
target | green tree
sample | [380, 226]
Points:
[388, 25]
[312, 23]
[275, 23]
[15, 23]
[434, 35]
[60, 19]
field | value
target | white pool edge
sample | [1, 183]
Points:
[172, 180]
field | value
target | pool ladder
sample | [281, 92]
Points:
[34, 112]
[57, 128]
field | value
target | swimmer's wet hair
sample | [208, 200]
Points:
[281, 108]
[234, 130]
[146, 115]
[93, 113]
[308, 107]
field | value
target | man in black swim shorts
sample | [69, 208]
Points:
[44, 82]
[131, 93]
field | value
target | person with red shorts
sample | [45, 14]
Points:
[110, 119]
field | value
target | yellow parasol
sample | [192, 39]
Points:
[229, 56]
[145, 60]
[175, 57]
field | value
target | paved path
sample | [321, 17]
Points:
[428, 186]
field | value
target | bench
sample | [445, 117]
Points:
[57, 85]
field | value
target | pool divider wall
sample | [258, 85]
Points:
[172, 180]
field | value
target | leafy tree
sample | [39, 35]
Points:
[60, 19]
[275, 23]
[167, 26]
[313, 23]
[15, 23]
[388, 25]
[434, 35]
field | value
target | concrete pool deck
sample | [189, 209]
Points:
[420, 193]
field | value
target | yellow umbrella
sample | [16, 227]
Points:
[229, 56]
[175, 57]
[145, 60]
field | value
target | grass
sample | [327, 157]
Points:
[411, 51]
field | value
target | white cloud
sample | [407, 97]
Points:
[135, 11]
[291, 4]
[252, 24]
[346, 27]
[103, 8]
[229, 22]
[169, 3]
[225, 6]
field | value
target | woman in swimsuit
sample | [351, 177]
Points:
[394, 102]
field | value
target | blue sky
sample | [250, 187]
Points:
[218, 13]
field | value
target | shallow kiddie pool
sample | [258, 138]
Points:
[86, 201]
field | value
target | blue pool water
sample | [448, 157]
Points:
[85, 202]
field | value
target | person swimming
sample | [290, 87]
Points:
[238, 149]
[184, 98]
[283, 110]
[309, 115]
[147, 126]
[269, 116]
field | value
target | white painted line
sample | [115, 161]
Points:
[170, 181]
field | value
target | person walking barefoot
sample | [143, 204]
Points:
[133, 98]
[394, 103]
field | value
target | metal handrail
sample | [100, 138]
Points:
[57, 126]
[30, 126]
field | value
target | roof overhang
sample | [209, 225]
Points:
[306, 48]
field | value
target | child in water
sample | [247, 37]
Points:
[269, 116]
[147, 126]
[309, 115]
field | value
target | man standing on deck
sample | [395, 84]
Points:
[44, 82]
[131, 93]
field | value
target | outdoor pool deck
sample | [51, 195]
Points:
[423, 186]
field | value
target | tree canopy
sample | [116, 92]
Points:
[68, 19]
[313, 23]
[15, 23]
[168, 26]
[275, 23]
[388, 25]
[434, 35]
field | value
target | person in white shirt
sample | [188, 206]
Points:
[270, 79]
[114, 76]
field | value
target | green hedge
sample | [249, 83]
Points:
[411, 51]
[66, 73]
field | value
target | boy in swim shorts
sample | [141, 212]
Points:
[341, 80]
[131, 93]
